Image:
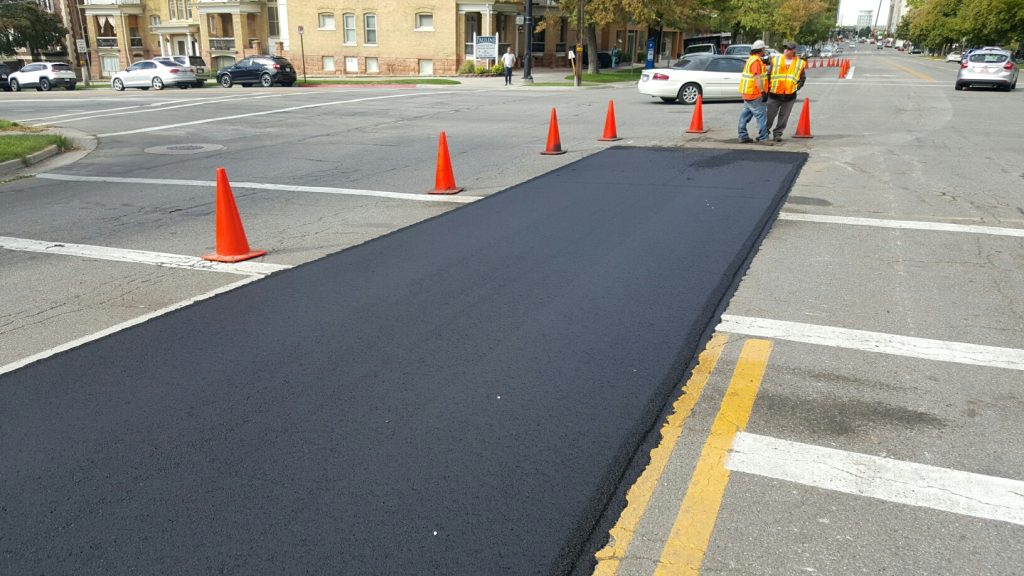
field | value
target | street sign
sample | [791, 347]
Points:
[80, 44]
[486, 48]
[302, 29]
[520, 20]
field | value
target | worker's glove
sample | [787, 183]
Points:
[764, 97]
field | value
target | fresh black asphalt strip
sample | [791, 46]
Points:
[460, 397]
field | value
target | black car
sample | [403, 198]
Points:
[5, 71]
[262, 70]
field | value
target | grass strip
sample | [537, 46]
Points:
[439, 81]
[631, 75]
[12, 147]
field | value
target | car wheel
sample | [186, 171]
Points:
[15, 85]
[117, 84]
[266, 81]
[959, 86]
[44, 84]
[199, 84]
[688, 93]
[70, 87]
[158, 83]
[225, 81]
[183, 86]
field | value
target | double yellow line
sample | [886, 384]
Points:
[688, 541]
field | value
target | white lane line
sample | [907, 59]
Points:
[153, 107]
[138, 256]
[903, 224]
[967, 493]
[452, 199]
[849, 73]
[80, 112]
[942, 350]
[127, 324]
[277, 111]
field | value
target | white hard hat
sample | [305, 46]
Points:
[757, 45]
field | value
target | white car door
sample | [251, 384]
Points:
[724, 76]
[131, 75]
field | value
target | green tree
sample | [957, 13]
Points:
[24, 24]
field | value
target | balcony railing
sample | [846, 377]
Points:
[111, 2]
[222, 44]
[136, 42]
[106, 41]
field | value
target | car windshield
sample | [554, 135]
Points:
[61, 68]
[196, 61]
[281, 61]
[988, 58]
[168, 63]
[690, 64]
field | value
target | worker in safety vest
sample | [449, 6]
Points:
[754, 89]
[787, 75]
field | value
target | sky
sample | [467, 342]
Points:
[848, 10]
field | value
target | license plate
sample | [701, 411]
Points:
[200, 70]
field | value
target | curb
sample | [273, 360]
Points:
[12, 166]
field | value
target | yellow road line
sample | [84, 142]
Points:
[912, 72]
[639, 494]
[686, 545]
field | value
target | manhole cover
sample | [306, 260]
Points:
[183, 149]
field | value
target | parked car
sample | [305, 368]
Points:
[604, 59]
[738, 50]
[700, 49]
[954, 57]
[197, 63]
[5, 71]
[262, 70]
[43, 76]
[153, 73]
[987, 68]
[714, 77]
[915, 50]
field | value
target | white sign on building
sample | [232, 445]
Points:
[485, 47]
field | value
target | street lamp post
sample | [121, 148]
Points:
[528, 31]
[578, 80]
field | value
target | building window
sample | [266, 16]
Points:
[154, 20]
[425, 21]
[426, 67]
[349, 22]
[328, 63]
[351, 65]
[326, 21]
[273, 22]
[211, 23]
[372, 66]
[370, 28]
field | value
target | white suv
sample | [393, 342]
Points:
[43, 76]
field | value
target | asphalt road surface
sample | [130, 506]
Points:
[459, 397]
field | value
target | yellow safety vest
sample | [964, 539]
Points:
[751, 85]
[785, 78]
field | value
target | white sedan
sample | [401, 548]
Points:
[713, 77]
[954, 57]
[153, 73]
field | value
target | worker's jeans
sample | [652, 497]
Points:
[757, 110]
[780, 109]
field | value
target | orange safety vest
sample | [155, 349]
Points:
[784, 79]
[751, 84]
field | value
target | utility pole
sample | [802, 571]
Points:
[578, 80]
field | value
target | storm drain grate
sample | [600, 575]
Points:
[184, 148]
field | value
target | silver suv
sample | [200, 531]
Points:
[987, 67]
[197, 64]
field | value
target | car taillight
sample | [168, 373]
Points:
[175, 70]
[660, 76]
[963, 64]
[277, 66]
[1009, 65]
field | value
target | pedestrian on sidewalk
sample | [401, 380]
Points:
[754, 89]
[787, 75]
[508, 59]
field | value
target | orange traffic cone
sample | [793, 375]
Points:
[842, 70]
[231, 243]
[814, 63]
[697, 122]
[444, 179]
[803, 127]
[609, 125]
[554, 142]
